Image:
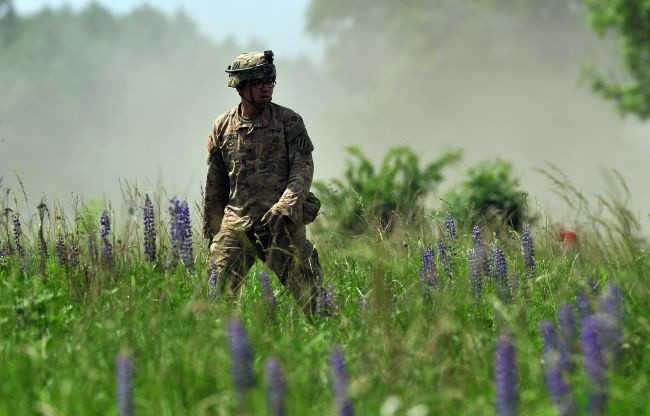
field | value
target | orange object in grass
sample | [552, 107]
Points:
[568, 238]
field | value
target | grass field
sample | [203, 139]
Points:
[414, 340]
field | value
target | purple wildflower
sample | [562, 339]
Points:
[481, 252]
[181, 232]
[42, 244]
[611, 316]
[444, 258]
[187, 252]
[326, 302]
[74, 253]
[8, 249]
[450, 228]
[595, 365]
[568, 335]
[428, 272]
[61, 249]
[555, 382]
[501, 272]
[267, 293]
[529, 252]
[340, 384]
[17, 235]
[213, 281]
[242, 356]
[584, 304]
[477, 238]
[505, 371]
[275, 387]
[107, 247]
[124, 376]
[475, 264]
[149, 230]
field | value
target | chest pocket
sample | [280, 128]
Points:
[271, 153]
[231, 151]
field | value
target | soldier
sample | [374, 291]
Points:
[257, 200]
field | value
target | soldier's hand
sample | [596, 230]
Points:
[274, 220]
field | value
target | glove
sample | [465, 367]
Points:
[274, 220]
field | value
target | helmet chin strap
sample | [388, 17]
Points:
[259, 106]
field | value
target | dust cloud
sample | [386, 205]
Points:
[495, 88]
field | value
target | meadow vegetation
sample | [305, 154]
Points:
[431, 317]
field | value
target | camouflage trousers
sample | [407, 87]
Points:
[288, 253]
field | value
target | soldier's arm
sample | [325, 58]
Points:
[217, 189]
[301, 171]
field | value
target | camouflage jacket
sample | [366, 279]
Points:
[254, 165]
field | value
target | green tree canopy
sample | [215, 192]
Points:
[630, 19]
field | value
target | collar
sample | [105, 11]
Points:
[261, 120]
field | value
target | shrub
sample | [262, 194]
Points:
[490, 193]
[366, 193]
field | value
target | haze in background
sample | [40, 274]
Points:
[137, 102]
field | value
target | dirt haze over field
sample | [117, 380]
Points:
[494, 89]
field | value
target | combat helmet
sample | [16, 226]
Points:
[250, 65]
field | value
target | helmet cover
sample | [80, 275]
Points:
[250, 65]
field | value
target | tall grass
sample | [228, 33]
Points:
[408, 349]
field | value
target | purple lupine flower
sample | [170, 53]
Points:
[450, 228]
[340, 384]
[475, 266]
[8, 249]
[181, 232]
[17, 235]
[500, 272]
[557, 386]
[444, 258]
[124, 377]
[505, 372]
[611, 316]
[61, 249]
[187, 251]
[267, 293]
[149, 230]
[568, 334]
[74, 253]
[595, 365]
[241, 353]
[42, 244]
[428, 272]
[476, 237]
[107, 247]
[175, 227]
[213, 281]
[326, 302]
[528, 247]
[584, 304]
[275, 387]
[481, 253]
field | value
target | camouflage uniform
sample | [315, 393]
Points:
[254, 165]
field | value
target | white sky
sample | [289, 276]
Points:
[278, 25]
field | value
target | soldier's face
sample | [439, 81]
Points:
[260, 91]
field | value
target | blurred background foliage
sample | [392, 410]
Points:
[88, 82]
[490, 193]
[417, 31]
[630, 21]
[377, 195]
